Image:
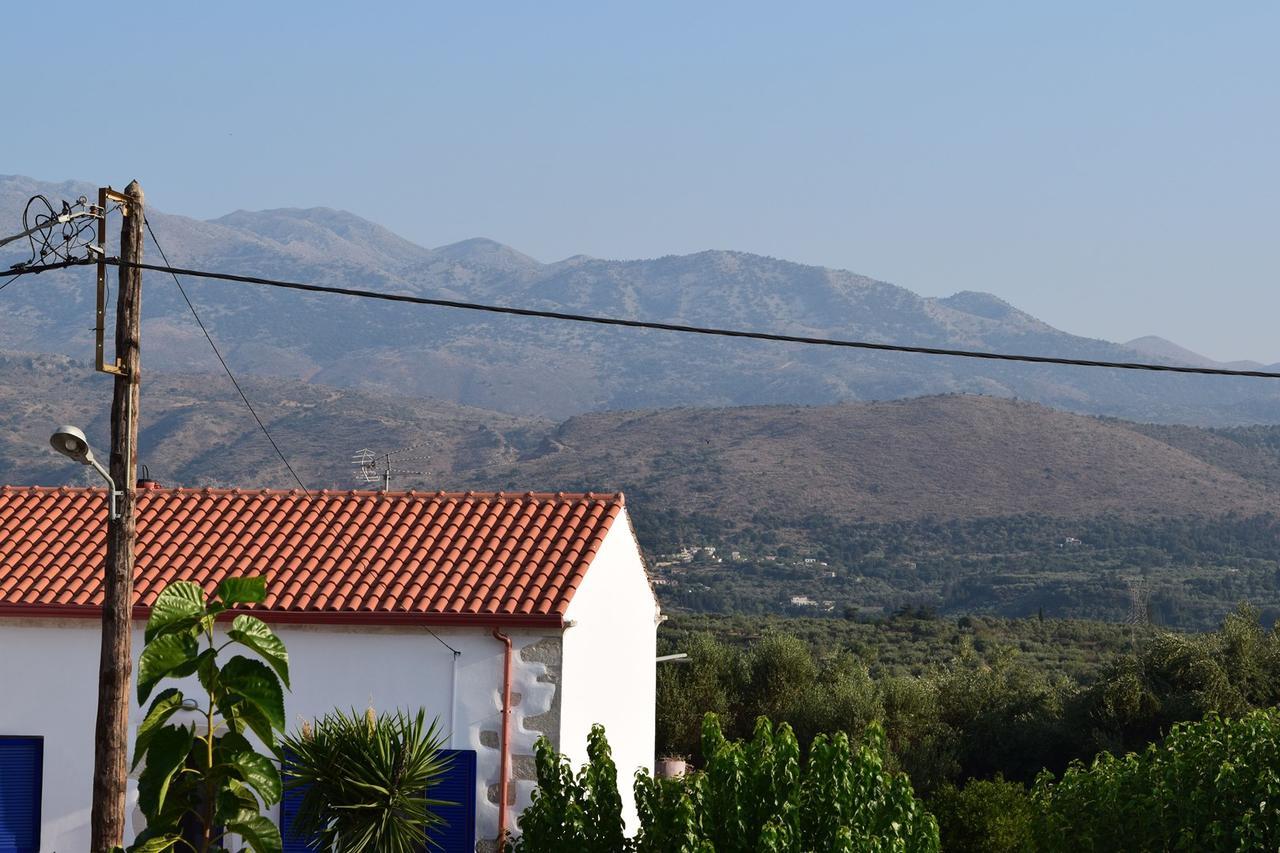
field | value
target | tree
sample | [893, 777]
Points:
[209, 779]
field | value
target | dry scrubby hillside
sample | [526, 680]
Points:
[944, 457]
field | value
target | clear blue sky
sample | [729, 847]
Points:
[1114, 168]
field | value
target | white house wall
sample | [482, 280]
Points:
[49, 673]
[609, 670]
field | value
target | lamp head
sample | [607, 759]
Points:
[70, 442]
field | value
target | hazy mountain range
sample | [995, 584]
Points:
[554, 369]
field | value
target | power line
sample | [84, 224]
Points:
[223, 362]
[341, 533]
[703, 330]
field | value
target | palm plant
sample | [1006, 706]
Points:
[365, 779]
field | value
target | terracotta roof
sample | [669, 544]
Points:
[333, 556]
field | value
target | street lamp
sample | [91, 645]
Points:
[71, 443]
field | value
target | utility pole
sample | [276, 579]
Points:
[111, 743]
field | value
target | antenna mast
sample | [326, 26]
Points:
[378, 467]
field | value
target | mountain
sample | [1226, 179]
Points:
[958, 503]
[1169, 352]
[552, 369]
[934, 457]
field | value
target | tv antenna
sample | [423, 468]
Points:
[379, 467]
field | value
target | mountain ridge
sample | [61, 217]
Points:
[553, 369]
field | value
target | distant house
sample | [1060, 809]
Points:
[371, 592]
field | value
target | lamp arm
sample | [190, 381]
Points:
[112, 514]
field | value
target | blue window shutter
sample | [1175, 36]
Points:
[458, 786]
[293, 841]
[21, 777]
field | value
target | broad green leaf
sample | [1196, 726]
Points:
[165, 757]
[166, 703]
[169, 655]
[158, 844]
[246, 590]
[257, 685]
[233, 801]
[258, 832]
[241, 715]
[253, 632]
[259, 773]
[178, 608]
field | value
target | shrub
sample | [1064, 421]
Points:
[366, 778]
[985, 817]
[580, 812]
[757, 795]
[1212, 785]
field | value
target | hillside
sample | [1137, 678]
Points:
[963, 504]
[934, 457]
[553, 369]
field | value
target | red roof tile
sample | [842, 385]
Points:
[333, 556]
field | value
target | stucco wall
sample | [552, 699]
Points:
[48, 670]
[609, 669]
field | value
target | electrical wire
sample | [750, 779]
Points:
[703, 330]
[222, 360]
[341, 533]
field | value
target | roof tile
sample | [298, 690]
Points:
[376, 553]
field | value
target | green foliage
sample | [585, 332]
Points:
[761, 795]
[1014, 566]
[1212, 785]
[366, 779]
[757, 795]
[985, 816]
[581, 812]
[984, 708]
[210, 774]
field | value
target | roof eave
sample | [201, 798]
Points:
[317, 617]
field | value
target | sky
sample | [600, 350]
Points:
[1113, 169]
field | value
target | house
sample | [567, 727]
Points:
[399, 600]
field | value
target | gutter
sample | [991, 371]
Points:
[305, 617]
[506, 738]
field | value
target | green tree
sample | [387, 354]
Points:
[210, 775]
[1212, 785]
[581, 812]
[366, 779]
[985, 816]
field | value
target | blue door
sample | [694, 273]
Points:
[21, 775]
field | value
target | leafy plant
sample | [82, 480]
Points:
[208, 777]
[1209, 786]
[581, 812]
[985, 816]
[757, 795]
[366, 778]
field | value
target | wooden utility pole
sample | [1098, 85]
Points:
[111, 745]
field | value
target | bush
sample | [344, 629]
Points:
[1212, 785]
[985, 817]
[366, 778]
[757, 795]
[568, 812]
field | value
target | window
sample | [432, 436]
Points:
[21, 776]
[458, 786]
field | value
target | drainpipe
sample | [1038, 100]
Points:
[453, 698]
[506, 738]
